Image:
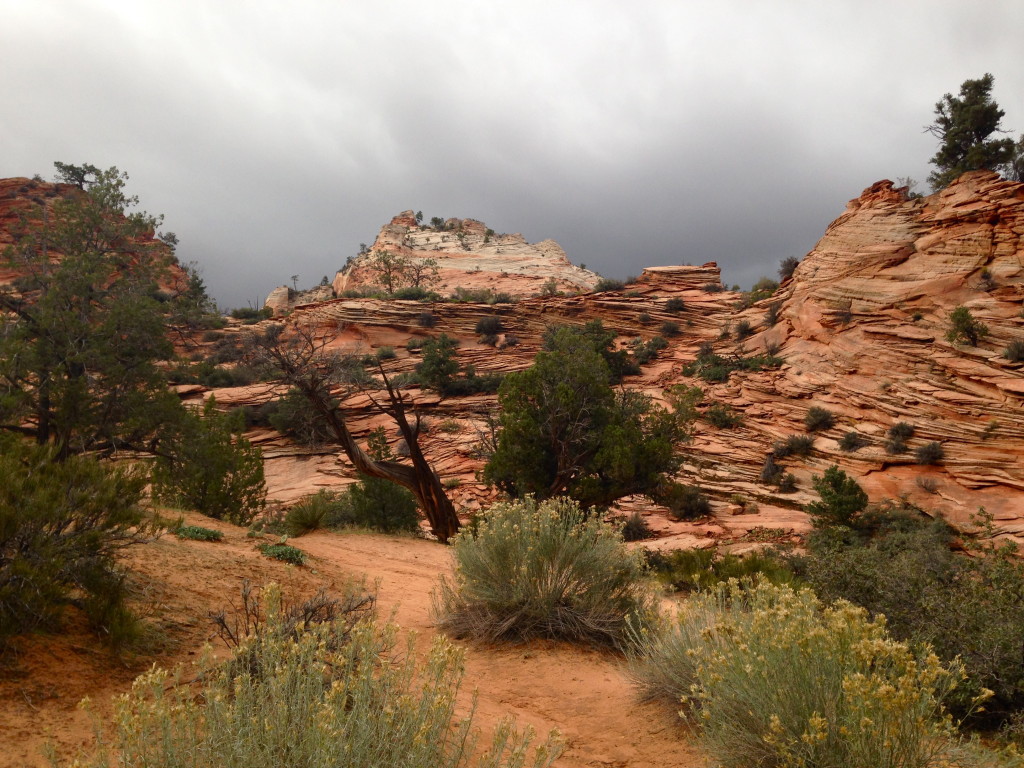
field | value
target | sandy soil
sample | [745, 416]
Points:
[583, 693]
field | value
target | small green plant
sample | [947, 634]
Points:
[450, 426]
[452, 482]
[426, 319]
[842, 500]
[310, 513]
[771, 316]
[852, 441]
[675, 305]
[723, 416]
[929, 453]
[488, 326]
[636, 528]
[743, 330]
[964, 328]
[794, 445]
[899, 433]
[284, 552]
[787, 267]
[669, 329]
[572, 578]
[197, 533]
[787, 483]
[771, 676]
[1014, 351]
[644, 318]
[819, 419]
[684, 502]
[608, 284]
[385, 353]
[712, 287]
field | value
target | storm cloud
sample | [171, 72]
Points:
[277, 137]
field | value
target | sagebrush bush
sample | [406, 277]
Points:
[635, 528]
[818, 418]
[774, 678]
[61, 526]
[929, 453]
[794, 445]
[306, 700]
[675, 305]
[852, 441]
[1014, 351]
[542, 570]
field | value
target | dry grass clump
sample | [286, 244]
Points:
[774, 678]
[313, 703]
[543, 570]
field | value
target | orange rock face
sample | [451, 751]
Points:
[861, 329]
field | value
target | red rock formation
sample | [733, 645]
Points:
[861, 329]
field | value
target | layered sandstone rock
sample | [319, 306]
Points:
[472, 257]
[861, 331]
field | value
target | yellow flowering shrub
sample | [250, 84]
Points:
[774, 678]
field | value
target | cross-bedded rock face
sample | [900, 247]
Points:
[861, 329]
[472, 257]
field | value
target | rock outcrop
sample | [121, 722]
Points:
[471, 256]
[860, 328]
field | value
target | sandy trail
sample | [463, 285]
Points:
[583, 693]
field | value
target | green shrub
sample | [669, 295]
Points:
[842, 500]
[675, 305]
[774, 678]
[608, 284]
[684, 502]
[964, 328]
[712, 287]
[818, 419]
[426, 319]
[723, 416]
[787, 267]
[899, 433]
[488, 326]
[929, 453]
[252, 315]
[669, 329]
[284, 552]
[852, 441]
[317, 698]
[787, 483]
[383, 506]
[967, 607]
[311, 513]
[386, 353]
[743, 330]
[771, 316]
[62, 524]
[636, 528]
[794, 445]
[644, 318]
[542, 570]
[208, 466]
[197, 533]
[1014, 351]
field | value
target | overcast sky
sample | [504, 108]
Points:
[275, 137]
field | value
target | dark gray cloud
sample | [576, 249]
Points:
[277, 138]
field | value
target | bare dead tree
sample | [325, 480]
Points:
[306, 365]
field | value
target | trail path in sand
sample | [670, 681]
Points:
[583, 693]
